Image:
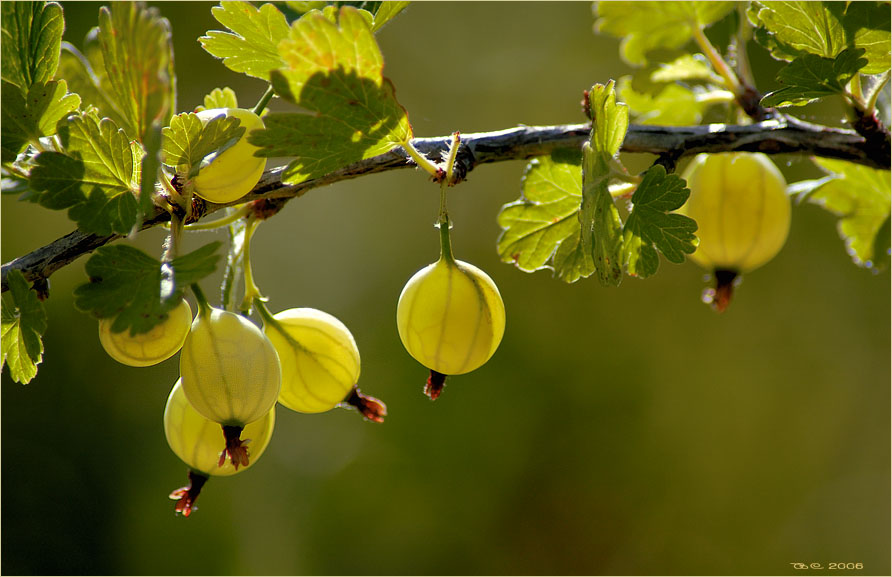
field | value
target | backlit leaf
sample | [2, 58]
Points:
[97, 178]
[673, 105]
[23, 324]
[220, 98]
[125, 283]
[645, 26]
[32, 35]
[187, 141]
[859, 195]
[810, 77]
[689, 67]
[88, 80]
[334, 71]
[600, 225]
[27, 119]
[250, 43]
[137, 53]
[536, 225]
[791, 29]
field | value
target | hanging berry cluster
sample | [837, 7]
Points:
[221, 413]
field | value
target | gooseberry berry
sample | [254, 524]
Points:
[149, 348]
[195, 439]
[230, 373]
[320, 363]
[232, 172]
[742, 210]
[450, 317]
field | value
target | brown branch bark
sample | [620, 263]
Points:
[785, 135]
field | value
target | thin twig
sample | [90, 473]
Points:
[786, 135]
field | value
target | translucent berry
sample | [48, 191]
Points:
[150, 348]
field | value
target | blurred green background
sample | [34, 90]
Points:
[616, 431]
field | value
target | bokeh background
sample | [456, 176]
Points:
[616, 431]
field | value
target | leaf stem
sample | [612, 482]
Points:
[203, 307]
[268, 318]
[623, 190]
[855, 84]
[172, 246]
[264, 100]
[252, 292]
[744, 34]
[731, 80]
[444, 225]
[450, 156]
[443, 220]
[242, 211]
[421, 160]
[714, 97]
[854, 96]
[875, 92]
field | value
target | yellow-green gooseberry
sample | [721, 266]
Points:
[232, 172]
[742, 210]
[450, 318]
[320, 363]
[149, 348]
[196, 440]
[230, 373]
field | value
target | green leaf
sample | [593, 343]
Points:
[791, 29]
[646, 26]
[32, 103]
[567, 215]
[23, 324]
[335, 72]
[376, 13]
[126, 283]
[859, 195]
[26, 120]
[137, 52]
[544, 218]
[882, 247]
[97, 178]
[220, 98]
[687, 67]
[599, 221]
[187, 141]
[651, 227]
[385, 12]
[87, 79]
[149, 167]
[810, 77]
[32, 35]
[867, 26]
[812, 27]
[250, 45]
[673, 105]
